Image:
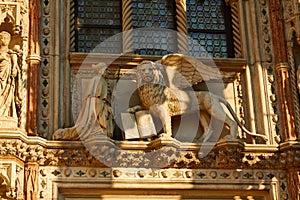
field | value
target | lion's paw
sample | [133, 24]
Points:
[134, 109]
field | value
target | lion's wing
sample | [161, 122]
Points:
[185, 71]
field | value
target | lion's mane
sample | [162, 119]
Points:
[156, 91]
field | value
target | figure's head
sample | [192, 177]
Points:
[149, 72]
[5, 38]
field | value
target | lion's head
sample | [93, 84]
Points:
[149, 72]
[151, 83]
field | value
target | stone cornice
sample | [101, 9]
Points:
[128, 61]
[162, 153]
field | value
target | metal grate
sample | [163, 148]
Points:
[207, 27]
[154, 14]
[98, 20]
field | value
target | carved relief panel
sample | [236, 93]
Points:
[14, 47]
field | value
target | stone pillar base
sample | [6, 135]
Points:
[8, 123]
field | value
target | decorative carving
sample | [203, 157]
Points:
[283, 73]
[286, 111]
[294, 184]
[14, 13]
[10, 77]
[19, 182]
[11, 178]
[240, 102]
[259, 160]
[155, 154]
[31, 181]
[96, 114]
[175, 97]
[267, 119]
[294, 81]
[292, 35]
[46, 72]
[204, 178]
[292, 18]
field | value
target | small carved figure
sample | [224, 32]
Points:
[95, 116]
[162, 98]
[9, 70]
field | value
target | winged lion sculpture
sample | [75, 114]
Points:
[164, 89]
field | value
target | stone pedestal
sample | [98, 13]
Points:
[8, 123]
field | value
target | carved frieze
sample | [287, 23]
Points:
[162, 152]
[273, 181]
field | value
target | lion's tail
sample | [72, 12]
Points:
[222, 100]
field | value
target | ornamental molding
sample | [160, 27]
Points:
[165, 153]
[272, 181]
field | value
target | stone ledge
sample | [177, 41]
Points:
[129, 61]
[102, 151]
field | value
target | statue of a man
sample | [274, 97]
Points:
[8, 71]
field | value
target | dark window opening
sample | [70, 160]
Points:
[209, 28]
[96, 21]
[157, 17]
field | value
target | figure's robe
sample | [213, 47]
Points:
[95, 116]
